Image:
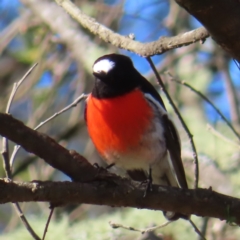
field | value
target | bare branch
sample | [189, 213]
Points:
[69, 162]
[5, 152]
[190, 136]
[9, 32]
[150, 229]
[144, 49]
[5, 155]
[25, 221]
[102, 187]
[121, 192]
[197, 230]
[224, 26]
[73, 104]
[209, 102]
[221, 136]
[17, 85]
[48, 222]
[232, 96]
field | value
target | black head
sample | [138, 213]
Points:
[115, 75]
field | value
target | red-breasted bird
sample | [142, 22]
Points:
[129, 125]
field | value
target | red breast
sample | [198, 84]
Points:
[117, 123]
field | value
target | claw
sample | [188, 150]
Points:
[110, 165]
[149, 183]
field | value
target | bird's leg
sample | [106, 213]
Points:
[149, 182]
[109, 166]
[149, 186]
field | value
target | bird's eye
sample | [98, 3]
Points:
[103, 66]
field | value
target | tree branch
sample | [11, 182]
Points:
[124, 193]
[101, 187]
[144, 49]
[208, 101]
[221, 19]
[69, 162]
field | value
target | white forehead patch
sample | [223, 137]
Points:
[104, 65]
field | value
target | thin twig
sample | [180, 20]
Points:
[230, 89]
[151, 229]
[219, 135]
[73, 104]
[209, 102]
[47, 224]
[196, 229]
[237, 63]
[5, 154]
[8, 164]
[144, 49]
[204, 226]
[25, 222]
[17, 85]
[5, 149]
[195, 156]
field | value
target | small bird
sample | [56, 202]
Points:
[129, 125]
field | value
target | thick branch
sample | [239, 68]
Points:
[221, 19]
[144, 49]
[102, 187]
[69, 162]
[123, 193]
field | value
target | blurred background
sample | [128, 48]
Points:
[39, 31]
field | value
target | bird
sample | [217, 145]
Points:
[130, 127]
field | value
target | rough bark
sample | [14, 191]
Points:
[100, 187]
[221, 19]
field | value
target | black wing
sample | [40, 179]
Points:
[171, 136]
[147, 87]
[174, 149]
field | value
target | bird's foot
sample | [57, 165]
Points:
[149, 183]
